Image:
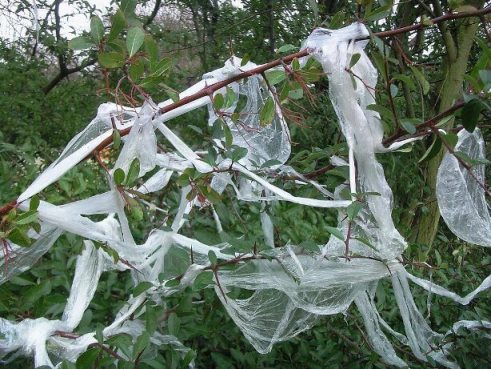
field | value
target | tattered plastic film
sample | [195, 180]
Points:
[460, 192]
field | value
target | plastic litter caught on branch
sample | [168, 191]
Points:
[290, 289]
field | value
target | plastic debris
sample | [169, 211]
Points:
[289, 288]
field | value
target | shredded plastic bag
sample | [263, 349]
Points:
[283, 291]
[461, 197]
[264, 142]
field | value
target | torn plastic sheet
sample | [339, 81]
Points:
[263, 142]
[360, 125]
[439, 290]
[156, 182]
[82, 145]
[287, 299]
[461, 198]
[141, 143]
[19, 259]
[376, 336]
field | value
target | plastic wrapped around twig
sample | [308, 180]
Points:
[460, 193]
[263, 142]
[141, 143]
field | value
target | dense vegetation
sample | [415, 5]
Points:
[51, 87]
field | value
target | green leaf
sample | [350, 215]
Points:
[134, 40]
[118, 176]
[230, 97]
[67, 365]
[162, 66]
[409, 124]
[310, 245]
[450, 139]
[88, 358]
[354, 59]
[485, 77]
[34, 203]
[241, 103]
[111, 59]
[297, 93]
[187, 359]
[173, 324]
[365, 242]
[96, 29]
[121, 341]
[203, 280]
[286, 49]
[470, 114]
[238, 153]
[80, 43]
[141, 287]
[213, 257]
[118, 23]
[217, 129]
[275, 76]
[34, 293]
[295, 64]
[140, 344]
[424, 84]
[335, 232]
[128, 6]
[432, 150]
[150, 318]
[27, 217]
[136, 212]
[151, 48]
[117, 140]
[270, 163]
[245, 59]
[136, 69]
[393, 90]
[267, 113]
[229, 138]
[406, 79]
[382, 110]
[19, 237]
[133, 172]
[353, 209]
[443, 122]
[379, 13]
[218, 101]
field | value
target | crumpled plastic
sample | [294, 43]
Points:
[263, 142]
[461, 198]
[141, 142]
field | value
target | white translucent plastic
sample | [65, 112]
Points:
[461, 198]
[263, 142]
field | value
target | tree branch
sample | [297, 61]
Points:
[153, 14]
[437, 20]
[65, 73]
[427, 124]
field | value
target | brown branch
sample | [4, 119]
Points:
[427, 124]
[65, 73]
[443, 18]
[153, 14]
